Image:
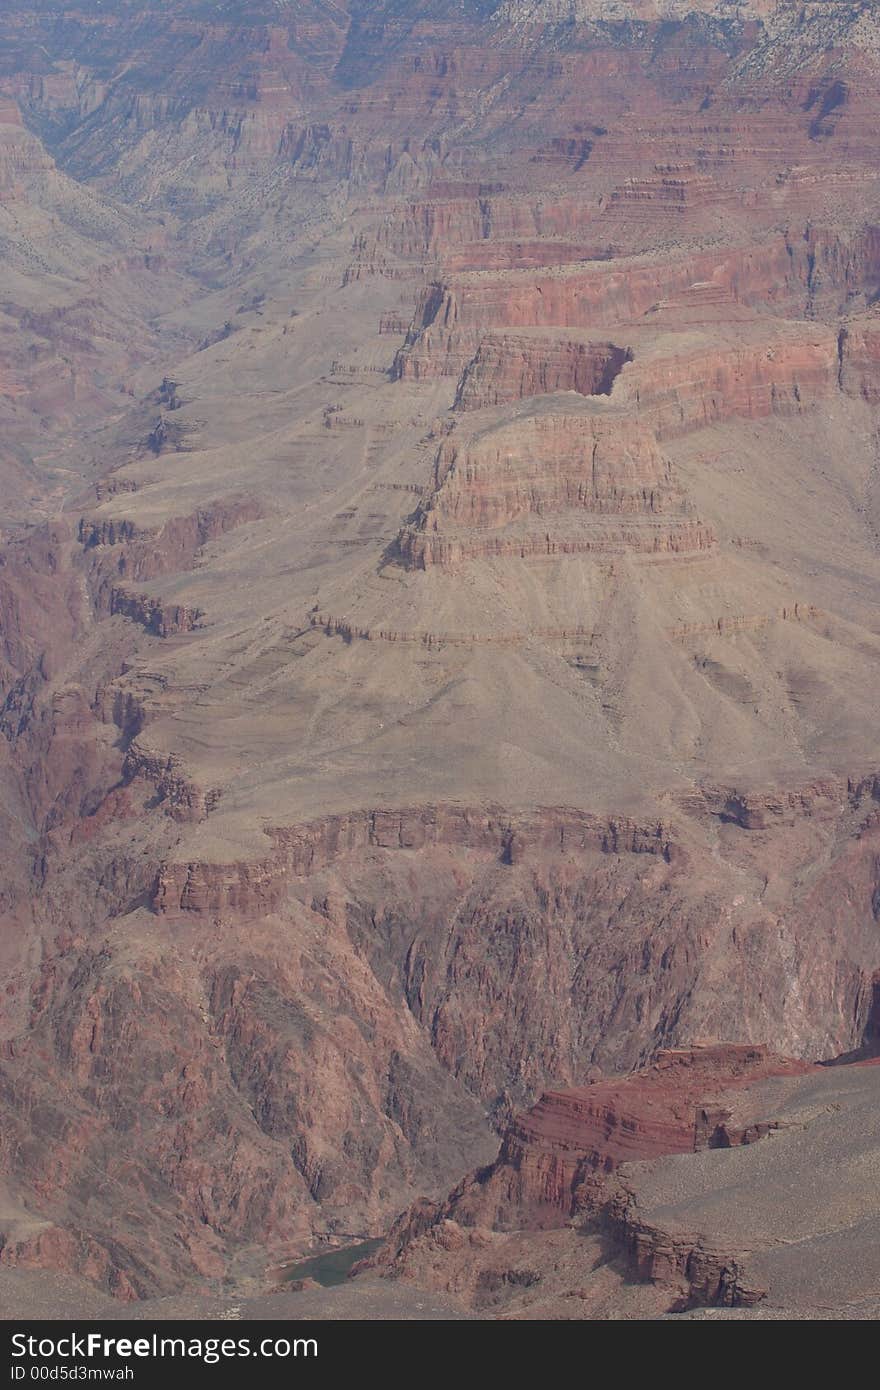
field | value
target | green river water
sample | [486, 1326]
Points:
[332, 1267]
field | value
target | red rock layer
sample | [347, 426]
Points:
[551, 1156]
[487, 222]
[783, 274]
[508, 368]
[552, 484]
[254, 888]
[783, 375]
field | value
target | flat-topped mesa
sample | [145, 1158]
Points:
[251, 888]
[549, 463]
[510, 367]
[576, 483]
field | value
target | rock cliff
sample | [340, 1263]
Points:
[438, 640]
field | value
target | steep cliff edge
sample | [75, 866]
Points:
[665, 1181]
[438, 639]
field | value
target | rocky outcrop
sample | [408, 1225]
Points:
[120, 549]
[859, 359]
[730, 624]
[558, 1162]
[696, 1272]
[508, 367]
[554, 1159]
[673, 194]
[250, 889]
[759, 810]
[436, 641]
[785, 275]
[785, 374]
[552, 484]
[178, 796]
[264, 1015]
[161, 618]
[254, 888]
[691, 1229]
[55, 1247]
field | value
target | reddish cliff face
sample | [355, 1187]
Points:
[554, 1157]
[549, 463]
[253, 889]
[552, 484]
[587, 296]
[697, 1216]
[696, 389]
[784, 275]
[437, 613]
[507, 368]
[662, 1183]
[485, 228]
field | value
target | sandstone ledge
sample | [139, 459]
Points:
[254, 888]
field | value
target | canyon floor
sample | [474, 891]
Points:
[439, 640]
